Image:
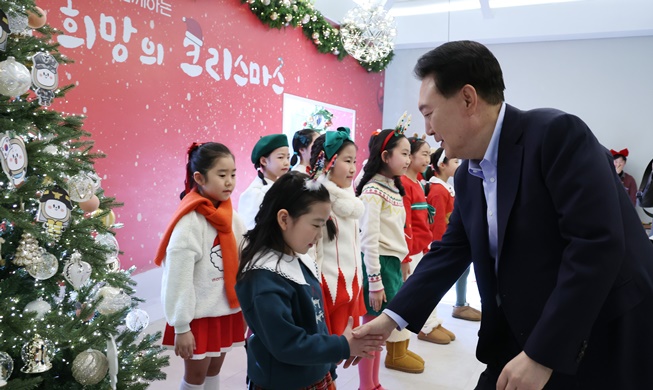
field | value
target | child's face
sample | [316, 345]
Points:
[302, 233]
[450, 167]
[344, 169]
[398, 159]
[277, 163]
[619, 164]
[420, 159]
[219, 181]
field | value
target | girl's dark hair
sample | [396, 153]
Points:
[259, 168]
[375, 162]
[415, 144]
[289, 192]
[302, 139]
[201, 158]
[318, 146]
[435, 157]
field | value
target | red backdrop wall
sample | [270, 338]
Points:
[147, 96]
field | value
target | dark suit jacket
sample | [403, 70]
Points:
[572, 254]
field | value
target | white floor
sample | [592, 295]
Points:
[448, 367]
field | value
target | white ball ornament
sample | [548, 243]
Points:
[108, 241]
[44, 267]
[39, 306]
[90, 367]
[80, 188]
[137, 320]
[15, 78]
[114, 300]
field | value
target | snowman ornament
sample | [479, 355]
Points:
[14, 159]
[45, 77]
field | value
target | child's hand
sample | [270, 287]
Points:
[361, 347]
[405, 271]
[376, 299]
[185, 345]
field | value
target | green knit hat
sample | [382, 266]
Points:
[267, 144]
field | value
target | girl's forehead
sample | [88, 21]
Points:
[224, 162]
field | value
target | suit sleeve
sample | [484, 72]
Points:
[584, 188]
[434, 275]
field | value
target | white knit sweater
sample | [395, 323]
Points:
[343, 253]
[250, 201]
[382, 226]
[193, 279]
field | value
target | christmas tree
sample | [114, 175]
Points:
[68, 318]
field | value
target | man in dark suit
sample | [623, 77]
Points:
[564, 268]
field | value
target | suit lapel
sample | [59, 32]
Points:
[509, 170]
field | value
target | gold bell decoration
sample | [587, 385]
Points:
[37, 355]
[90, 367]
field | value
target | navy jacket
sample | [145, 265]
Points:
[573, 258]
[290, 347]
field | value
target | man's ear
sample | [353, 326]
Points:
[470, 97]
[199, 178]
[283, 218]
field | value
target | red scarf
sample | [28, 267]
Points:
[220, 218]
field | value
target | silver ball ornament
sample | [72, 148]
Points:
[15, 78]
[90, 367]
[6, 367]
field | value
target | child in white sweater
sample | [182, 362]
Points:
[199, 255]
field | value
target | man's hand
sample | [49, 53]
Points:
[364, 346]
[381, 325]
[523, 373]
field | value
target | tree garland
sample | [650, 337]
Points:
[301, 13]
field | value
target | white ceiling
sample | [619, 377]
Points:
[577, 19]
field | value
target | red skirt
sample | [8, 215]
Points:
[213, 335]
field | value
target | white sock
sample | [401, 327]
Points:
[188, 386]
[212, 382]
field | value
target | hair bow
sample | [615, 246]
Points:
[334, 140]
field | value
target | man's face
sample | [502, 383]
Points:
[445, 119]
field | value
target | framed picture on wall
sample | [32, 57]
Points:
[302, 113]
